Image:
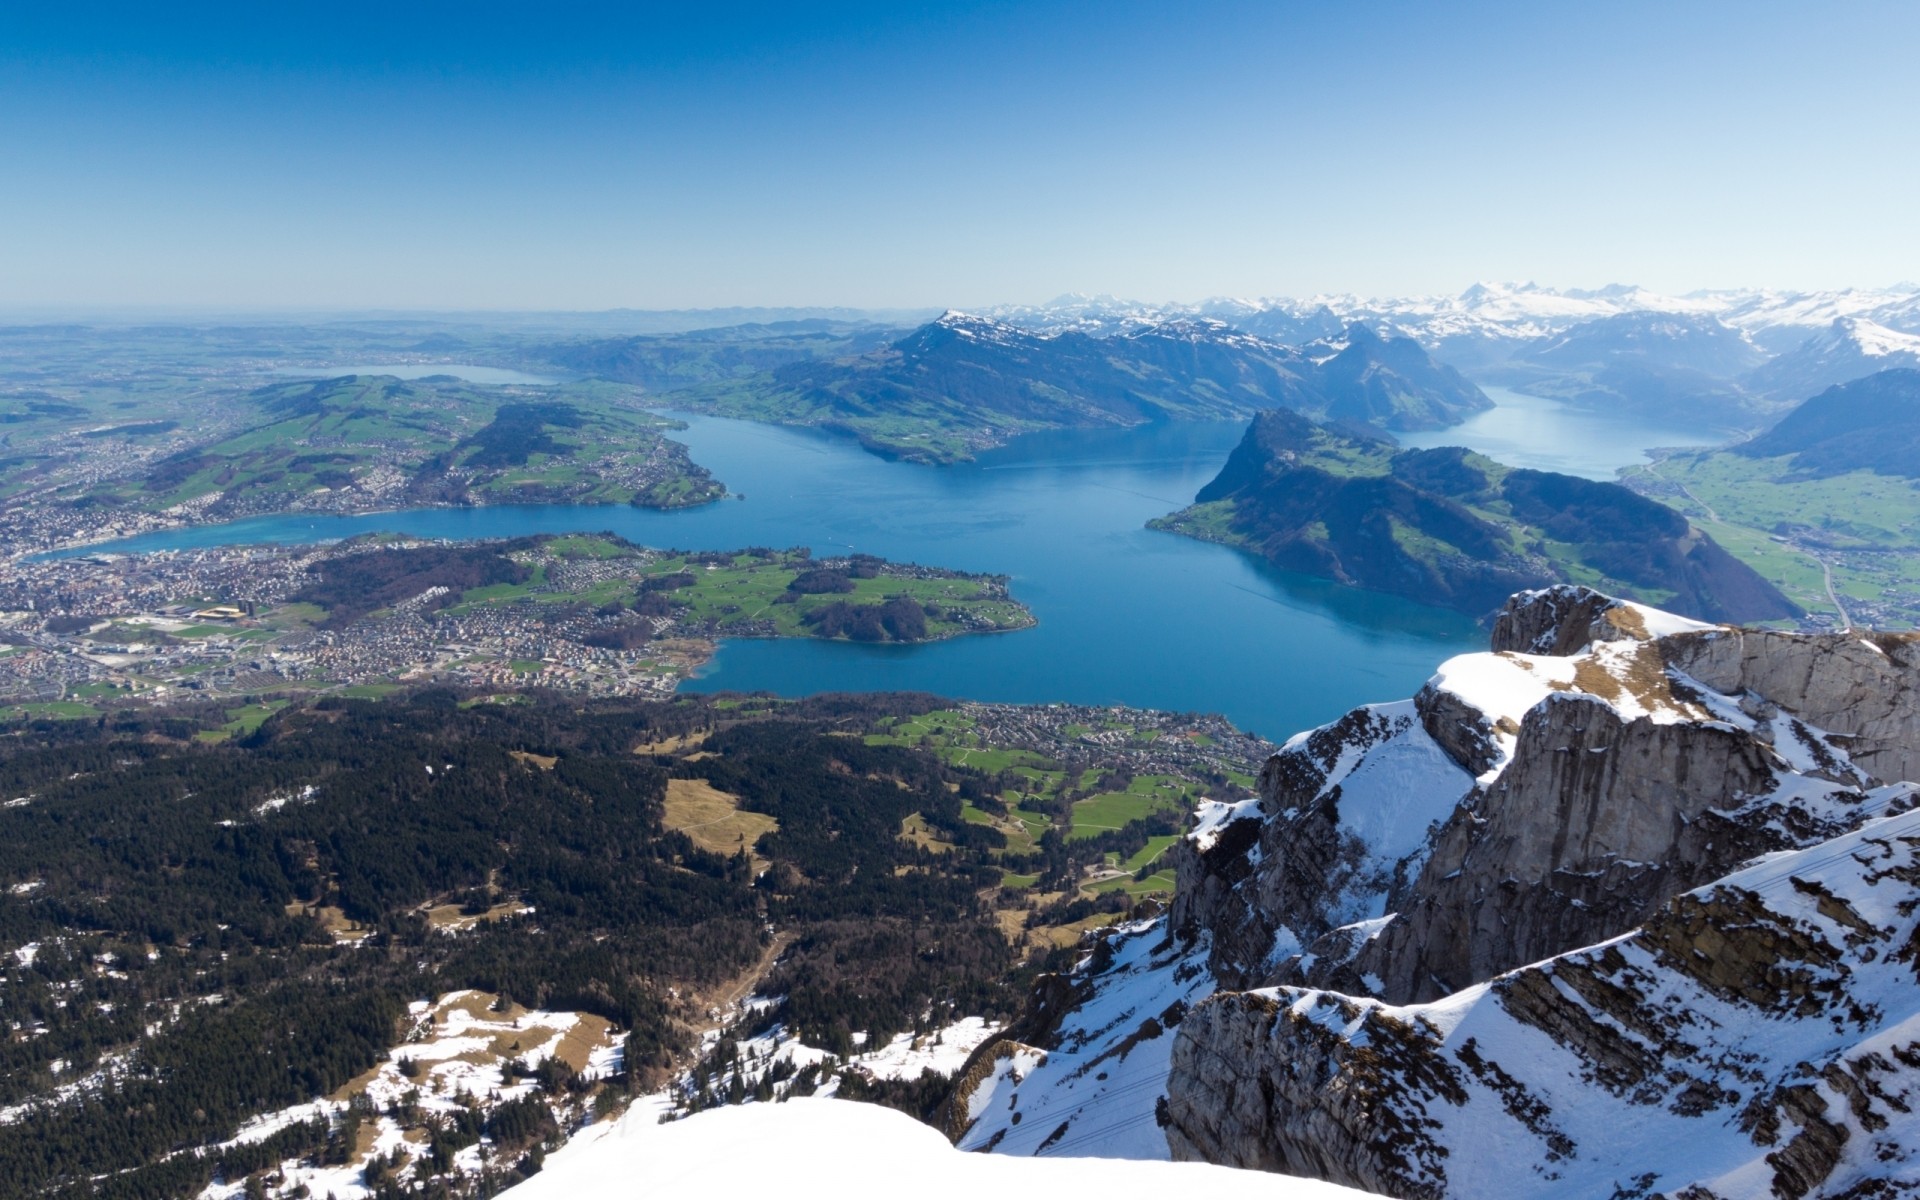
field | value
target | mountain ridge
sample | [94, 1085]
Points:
[965, 382]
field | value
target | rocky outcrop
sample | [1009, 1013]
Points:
[1343, 813]
[1760, 1036]
[1352, 945]
[1594, 823]
[1602, 759]
[1563, 620]
[1857, 687]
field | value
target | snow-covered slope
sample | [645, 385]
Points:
[1108, 1034]
[1490, 317]
[836, 1148]
[1850, 348]
[1545, 798]
[1758, 1037]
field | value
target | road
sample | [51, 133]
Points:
[721, 1004]
[1826, 572]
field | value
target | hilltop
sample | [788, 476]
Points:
[1870, 424]
[1456, 529]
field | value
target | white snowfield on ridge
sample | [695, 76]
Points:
[816, 1147]
[1500, 310]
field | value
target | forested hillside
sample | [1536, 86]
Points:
[199, 933]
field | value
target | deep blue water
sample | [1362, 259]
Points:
[1127, 615]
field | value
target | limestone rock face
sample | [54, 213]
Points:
[1859, 688]
[1505, 939]
[1343, 813]
[1756, 1037]
[1594, 823]
[1604, 757]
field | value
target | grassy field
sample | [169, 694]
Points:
[1863, 527]
[714, 820]
[60, 709]
[1040, 794]
[1145, 795]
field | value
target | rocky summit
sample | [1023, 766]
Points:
[1628, 905]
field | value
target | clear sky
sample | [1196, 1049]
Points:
[541, 156]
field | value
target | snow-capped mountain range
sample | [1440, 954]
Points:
[1775, 320]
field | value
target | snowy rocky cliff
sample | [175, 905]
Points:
[1510, 934]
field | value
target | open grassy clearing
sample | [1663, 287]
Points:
[1145, 795]
[1862, 526]
[714, 820]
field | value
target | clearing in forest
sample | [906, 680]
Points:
[714, 819]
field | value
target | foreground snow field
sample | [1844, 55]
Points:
[855, 1150]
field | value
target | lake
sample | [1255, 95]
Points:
[1530, 431]
[1127, 615]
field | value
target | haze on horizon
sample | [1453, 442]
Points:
[881, 156]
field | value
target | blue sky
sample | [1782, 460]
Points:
[577, 157]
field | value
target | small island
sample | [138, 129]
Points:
[589, 613]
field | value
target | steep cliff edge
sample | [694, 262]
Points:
[1759, 1036]
[1596, 776]
[1571, 792]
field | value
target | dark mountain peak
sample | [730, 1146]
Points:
[1454, 528]
[1393, 382]
[1867, 424]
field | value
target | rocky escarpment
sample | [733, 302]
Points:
[1760, 1036]
[1602, 759]
[1580, 798]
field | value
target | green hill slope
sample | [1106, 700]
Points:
[365, 442]
[1457, 529]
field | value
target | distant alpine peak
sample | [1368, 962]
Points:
[973, 325]
[1776, 320]
[1194, 329]
[1869, 338]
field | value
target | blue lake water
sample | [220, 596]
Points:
[1530, 431]
[1127, 615]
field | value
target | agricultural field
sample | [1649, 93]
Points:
[764, 593]
[1105, 790]
[1841, 546]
